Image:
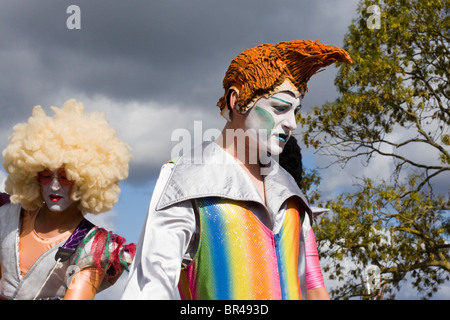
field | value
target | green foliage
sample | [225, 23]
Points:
[399, 80]
[309, 183]
[399, 234]
[394, 97]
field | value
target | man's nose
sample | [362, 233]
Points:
[54, 184]
[290, 122]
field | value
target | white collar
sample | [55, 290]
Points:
[211, 171]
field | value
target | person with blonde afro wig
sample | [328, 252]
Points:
[59, 168]
[225, 221]
[84, 144]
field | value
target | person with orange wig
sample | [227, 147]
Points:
[225, 220]
[60, 168]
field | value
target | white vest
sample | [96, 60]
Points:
[12, 284]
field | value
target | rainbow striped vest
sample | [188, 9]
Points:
[239, 258]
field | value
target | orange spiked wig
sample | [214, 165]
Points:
[260, 70]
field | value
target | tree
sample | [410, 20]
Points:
[393, 99]
[401, 235]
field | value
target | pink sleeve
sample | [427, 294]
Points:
[314, 278]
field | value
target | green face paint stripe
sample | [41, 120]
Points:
[267, 118]
[287, 102]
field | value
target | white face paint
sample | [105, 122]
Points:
[56, 188]
[270, 121]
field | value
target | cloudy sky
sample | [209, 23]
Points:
[153, 67]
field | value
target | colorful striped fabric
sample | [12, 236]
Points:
[240, 258]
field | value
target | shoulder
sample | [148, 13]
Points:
[107, 253]
[106, 250]
[9, 219]
[10, 212]
[4, 198]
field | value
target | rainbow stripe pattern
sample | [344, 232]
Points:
[239, 258]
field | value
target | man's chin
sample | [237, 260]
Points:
[275, 149]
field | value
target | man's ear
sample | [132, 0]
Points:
[232, 97]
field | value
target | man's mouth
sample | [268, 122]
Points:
[55, 198]
[283, 137]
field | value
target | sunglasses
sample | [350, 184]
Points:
[46, 176]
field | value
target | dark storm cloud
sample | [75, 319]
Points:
[135, 50]
[172, 52]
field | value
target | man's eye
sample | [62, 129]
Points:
[297, 110]
[44, 178]
[280, 108]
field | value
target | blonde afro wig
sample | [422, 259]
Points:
[84, 144]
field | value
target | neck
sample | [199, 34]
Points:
[51, 222]
[235, 142]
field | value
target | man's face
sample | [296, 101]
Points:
[270, 121]
[56, 189]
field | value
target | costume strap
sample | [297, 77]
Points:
[70, 246]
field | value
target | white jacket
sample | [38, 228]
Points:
[171, 232]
